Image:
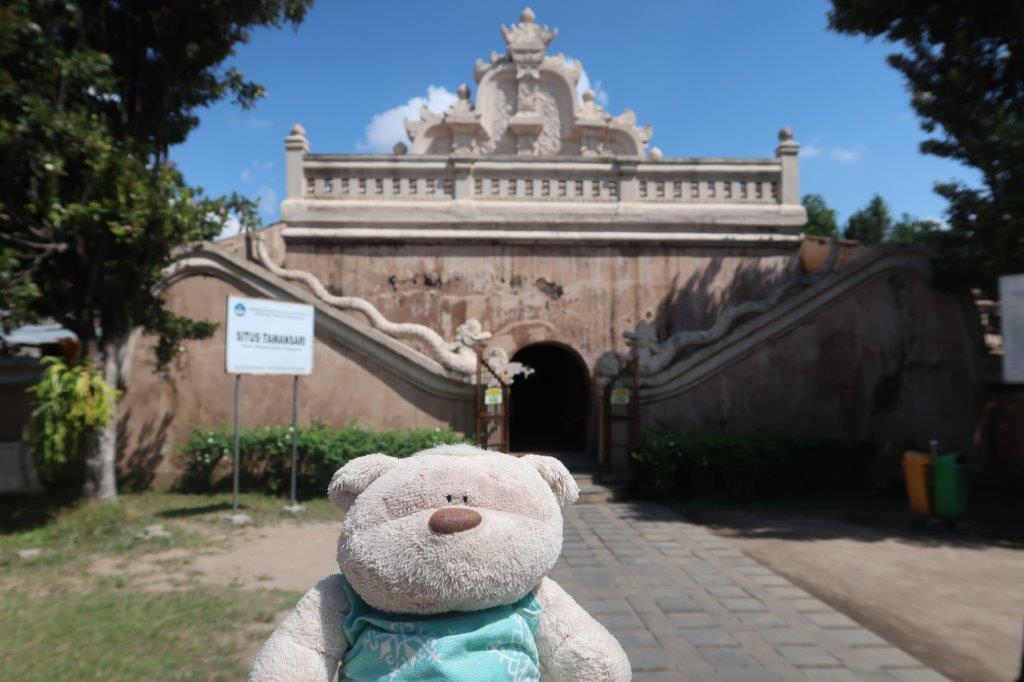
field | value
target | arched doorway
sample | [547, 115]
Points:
[549, 407]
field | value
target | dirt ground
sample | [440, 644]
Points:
[286, 557]
[954, 600]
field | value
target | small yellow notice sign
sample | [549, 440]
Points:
[620, 396]
[492, 396]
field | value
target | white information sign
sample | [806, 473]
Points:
[268, 337]
[1011, 304]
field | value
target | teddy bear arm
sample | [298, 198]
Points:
[571, 644]
[309, 642]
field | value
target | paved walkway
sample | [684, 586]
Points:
[686, 605]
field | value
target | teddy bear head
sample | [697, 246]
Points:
[452, 528]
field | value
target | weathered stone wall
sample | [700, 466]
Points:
[889, 363]
[888, 360]
[158, 412]
[584, 296]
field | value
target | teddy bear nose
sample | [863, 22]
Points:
[453, 520]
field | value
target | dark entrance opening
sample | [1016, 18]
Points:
[549, 407]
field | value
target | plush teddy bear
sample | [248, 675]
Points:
[443, 558]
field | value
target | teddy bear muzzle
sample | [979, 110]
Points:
[453, 520]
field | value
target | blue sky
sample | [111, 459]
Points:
[713, 78]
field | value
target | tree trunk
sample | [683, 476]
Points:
[101, 461]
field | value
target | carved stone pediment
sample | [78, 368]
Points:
[526, 105]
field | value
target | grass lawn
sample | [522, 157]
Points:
[196, 634]
[67, 613]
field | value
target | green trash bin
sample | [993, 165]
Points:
[949, 486]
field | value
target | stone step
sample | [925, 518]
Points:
[596, 493]
[583, 480]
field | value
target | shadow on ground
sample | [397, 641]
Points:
[20, 513]
[993, 520]
[186, 512]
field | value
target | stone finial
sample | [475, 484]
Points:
[400, 149]
[787, 145]
[527, 41]
[462, 106]
[590, 109]
[789, 183]
[655, 153]
[296, 140]
[295, 147]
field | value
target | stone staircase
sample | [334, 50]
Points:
[596, 485]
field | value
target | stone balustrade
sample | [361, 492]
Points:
[538, 198]
[423, 178]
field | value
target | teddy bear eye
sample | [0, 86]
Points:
[448, 497]
[465, 499]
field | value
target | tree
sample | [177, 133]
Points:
[911, 230]
[821, 220]
[871, 224]
[92, 95]
[963, 62]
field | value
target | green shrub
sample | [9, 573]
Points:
[266, 454]
[685, 464]
[70, 404]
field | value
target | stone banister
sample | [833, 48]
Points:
[636, 194]
[340, 178]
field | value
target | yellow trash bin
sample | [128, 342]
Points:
[916, 470]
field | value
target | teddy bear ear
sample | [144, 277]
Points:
[554, 473]
[353, 478]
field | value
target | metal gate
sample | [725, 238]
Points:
[620, 423]
[492, 409]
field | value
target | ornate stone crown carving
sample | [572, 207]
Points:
[527, 41]
[526, 105]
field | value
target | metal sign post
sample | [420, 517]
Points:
[294, 507]
[238, 393]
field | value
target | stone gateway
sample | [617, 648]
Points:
[529, 227]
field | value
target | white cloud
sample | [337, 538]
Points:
[388, 127]
[840, 154]
[584, 84]
[810, 150]
[257, 122]
[230, 229]
[847, 155]
[256, 167]
[267, 201]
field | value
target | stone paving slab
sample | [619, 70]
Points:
[686, 605]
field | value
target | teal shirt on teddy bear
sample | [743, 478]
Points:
[493, 644]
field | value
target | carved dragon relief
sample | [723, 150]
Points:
[655, 356]
[458, 356]
[527, 104]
